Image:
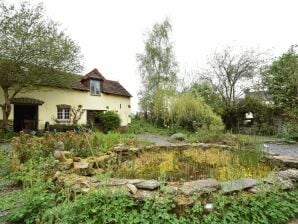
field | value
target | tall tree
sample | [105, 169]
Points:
[231, 72]
[205, 90]
[30, 45]
[158, 69]
[281, 80]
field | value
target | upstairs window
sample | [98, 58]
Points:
[94, 87]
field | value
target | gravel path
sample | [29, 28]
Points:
[156, 139]
[290, 150]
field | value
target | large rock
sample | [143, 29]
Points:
[83, 168]
[290, 174]
[287, 161]
[147, 185]
[67, 164]
[100, 161]
[281, 179]
[62, 155]
[59, 146]
[200, 186]
[144, 194]
[132, 188]
[178, 137]
[238, 185]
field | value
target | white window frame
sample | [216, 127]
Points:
[63, 114]
[96, 85]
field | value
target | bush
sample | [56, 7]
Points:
[110, 121]
[31, 203]
[6, 136]
[288, 131]
[4, 163]
[191, 113]
[67, 127]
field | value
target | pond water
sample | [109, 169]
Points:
[193, 164]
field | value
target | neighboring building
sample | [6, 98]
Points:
[54, 102]
[264, 96]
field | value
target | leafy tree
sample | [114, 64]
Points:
[191, 113]
[30, 46]
[230, 72]
[281, 79]
[158, 69]
[208, 93]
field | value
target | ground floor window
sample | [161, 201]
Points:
[63, 113]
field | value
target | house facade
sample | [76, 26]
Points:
[75, 99]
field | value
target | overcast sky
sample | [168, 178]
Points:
[111, 32]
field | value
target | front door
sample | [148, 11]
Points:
[93, 118]
[25, 118]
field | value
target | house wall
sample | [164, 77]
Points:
[55, 96]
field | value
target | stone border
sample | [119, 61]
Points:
[77, 171]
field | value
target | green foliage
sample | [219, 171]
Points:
[206, 91]
[6, 136]
[104, 207]
[67, 127]
[263, 114]
[80, 144]
[267, 208]
[281, 79]
[30, 204]
[140, 126]
[110, 121]
[4, 163]
[288, 131]
[192, 113]
[35, 171]
[31, 46]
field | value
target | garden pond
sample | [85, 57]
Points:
[194, 163]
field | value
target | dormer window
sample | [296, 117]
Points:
[94, 87]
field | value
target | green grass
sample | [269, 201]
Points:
[6, 136]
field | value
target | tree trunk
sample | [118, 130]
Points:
[6, 109]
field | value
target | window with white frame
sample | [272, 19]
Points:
[94, 87]
[63, 113]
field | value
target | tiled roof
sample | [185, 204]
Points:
[72, 81]
[113, 87]
[94, 74]
[25, 100]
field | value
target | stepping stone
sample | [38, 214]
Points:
[147, 185]
[200, 186]
[237, 185]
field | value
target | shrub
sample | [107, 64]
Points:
[191, 113]
[110, 121]
[4, 163]
[67, 127]
[31, 203]
[6, 136]
[288, 131]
